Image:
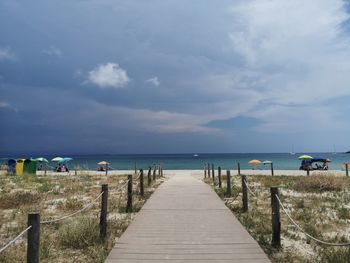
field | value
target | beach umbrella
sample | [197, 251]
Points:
[66, 159]
[41, 159]
[56, 159]
[304, 157]
[256, 162]
[103, 163]
[267, 162]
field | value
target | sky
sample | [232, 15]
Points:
[166, 76]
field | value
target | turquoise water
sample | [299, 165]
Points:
[282, 161]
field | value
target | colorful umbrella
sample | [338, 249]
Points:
[56, 159]
[304, 157]
[41, 159]
[254, 162]
[66, 159]
[103, 163]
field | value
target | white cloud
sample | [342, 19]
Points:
[7, 54]
[299, 53]
[108, 75]
[53, 51]
[155, 81]
[3, 104]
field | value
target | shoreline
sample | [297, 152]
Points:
[196, 173]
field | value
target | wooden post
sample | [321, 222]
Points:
[219, 176]
[308, 171]
[106, 169]
[272, 172]
[208, 166]
[129, 201]
[161, 171]
[154, 173]
[239, 168]
[33, 240]
[205, 171]
[149, 178]
[228, 183]
[45, 167]
[213, 172]
[347, 169]
[142, 192]
[276, 223]
[75, 172]
[103, 215]
[245, 193]
[135, 168]
[159, 168]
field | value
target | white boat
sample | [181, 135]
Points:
[195, 155]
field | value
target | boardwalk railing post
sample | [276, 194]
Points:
[308, 171]
[154, 173]
[107, 169]
[149, 178]
[161, 171]
[142, 190]
[33, 241]
[276, 223]
[219, 176]
[347, 169]
[272, 173]
[135, 168]
[213, 172]
[159, 167]
[244, 193]
[103, 215]
[239, 168]
[129, 201]
[205, 171]
[208, 166]
[228, 183]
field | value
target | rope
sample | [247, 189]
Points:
[15, 239]
[313, 238]
[120, 187]
[249, 188]
[72, 214]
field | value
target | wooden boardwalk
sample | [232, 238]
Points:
[185, 221]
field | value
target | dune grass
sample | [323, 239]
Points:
[75, 239]
[319, 203]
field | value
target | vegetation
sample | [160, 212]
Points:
[75, 239]
[318, 203]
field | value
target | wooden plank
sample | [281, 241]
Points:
[185, 221]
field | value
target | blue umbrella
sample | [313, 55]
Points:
[66, 159]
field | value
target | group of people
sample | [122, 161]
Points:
[61, 168]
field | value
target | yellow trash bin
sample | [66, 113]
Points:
[19, 166]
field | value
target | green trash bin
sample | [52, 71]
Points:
[29, 166]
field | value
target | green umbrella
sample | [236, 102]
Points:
[57, 159]
[303, 157]
[41, 159]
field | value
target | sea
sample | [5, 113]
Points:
[191, 161]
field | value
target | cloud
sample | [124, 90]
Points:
[3, 104]
[155, 81]
[108, 75]
[295, 60]
[53, 51]
[7, 54]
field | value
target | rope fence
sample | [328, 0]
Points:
[33, 229]
[276, 203]
[15, 239]
[74, 213]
